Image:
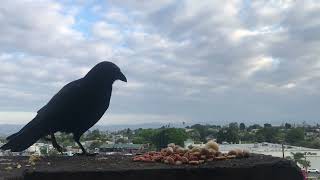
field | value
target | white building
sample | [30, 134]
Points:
[312, 155]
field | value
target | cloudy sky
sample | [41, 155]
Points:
[195, 61]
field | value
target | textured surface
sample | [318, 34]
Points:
[121, 167]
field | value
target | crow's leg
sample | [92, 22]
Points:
[55, 144]
[82, 148]
[47, 138]
[84, 152]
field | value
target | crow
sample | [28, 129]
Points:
[74, 109]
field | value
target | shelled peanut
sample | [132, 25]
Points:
[177, 155]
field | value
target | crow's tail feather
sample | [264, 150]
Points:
[27, 136]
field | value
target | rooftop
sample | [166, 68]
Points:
[122, 167]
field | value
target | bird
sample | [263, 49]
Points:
[74, 109]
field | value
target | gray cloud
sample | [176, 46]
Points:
[208, 61]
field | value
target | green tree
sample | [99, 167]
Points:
[247, 137]
[229, 134]
[267, 125]
[121, 141]
[202, 130]
[129, 132]
[95, 144]
[95, 135]
[139, 140]
[195, 135]
[232, 135]
[169, 135]
[233, 126]
[221, 135]
[287, 126]
[300, 158]
[270, 134]
[255, 126]
[65, 139]
[242, 127]
[144, 136]
[43, 151]
[295, 136]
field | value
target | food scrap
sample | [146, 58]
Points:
[8, 168]
[177, 155]
[33, 158]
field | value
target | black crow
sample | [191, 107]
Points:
[74, 109]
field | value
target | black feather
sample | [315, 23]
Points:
[74, 109]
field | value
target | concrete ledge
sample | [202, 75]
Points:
[121, 167]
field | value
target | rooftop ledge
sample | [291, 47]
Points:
[115, 167]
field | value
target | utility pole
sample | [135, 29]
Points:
[282, 150]
[305, 160]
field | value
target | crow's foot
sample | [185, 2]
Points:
[58, 148]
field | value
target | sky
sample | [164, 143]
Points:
[207, 61]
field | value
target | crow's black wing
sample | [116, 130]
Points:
[65, 99]
[47, 118]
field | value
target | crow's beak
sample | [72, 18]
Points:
[122, 77]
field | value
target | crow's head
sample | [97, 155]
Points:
[106, 71]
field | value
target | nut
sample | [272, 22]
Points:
[212, 152]
[232, 152]
[194, 162]
[171, 145]
[170, 160]
[246, 153]
[169, 151]
[180, 150]
[184, 160]
[203, 157]
[195, 149]
[212, 145]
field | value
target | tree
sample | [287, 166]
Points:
[295, 135]
[95, 144]
[242, 127]
[267, 125]
[300, 158]
[233, 126]
[144, 136]
[44, 150]
[128, 132]
[247, 137]
[95, 135]
[169, 135]
[195, 135]
[270, 134]
[221, 136]
[315, 144]
[229, 134]
[65, 139]
[287, 126]
[232, 135]
[255, 126]
[138, 140]
[202, 131]
[121, 141]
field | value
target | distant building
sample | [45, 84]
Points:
[35, 148]
[123, 148]
[312, 155]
